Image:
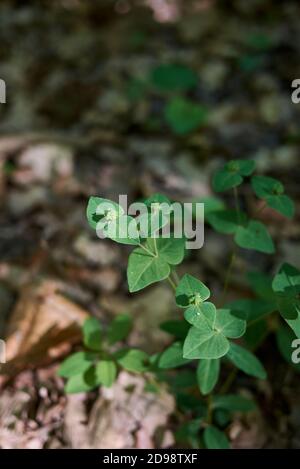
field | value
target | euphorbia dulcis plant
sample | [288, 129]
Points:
[207, 334]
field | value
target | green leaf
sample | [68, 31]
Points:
[261, 284]
[264, 186]
[92, 334]
[272, 191]
[133, 360]
[228, 324]
[184, 379]
[286, 286]
[144, 269]
[190, 290]
[83, 382]
[246, 361]
[232, 174]
[106, 372]
[159, 210]
[215, 439]
[211, 204]
[251, 309]
[233, 403]
[221, 321]
[295, 325]
[192, 313]
[157, 199]
[284, 339]
[207, 375]
[184, 116]
[119, 328]
[172, 357]
[254, 236]
[246, 167]
[205, 342]
[226, 221]
[76, 364]
[170, 250]
[256, 333]
[224, 180]
[97, 207]
[173, 77]
[188, 433]
[178, 329]
[122, 230]
[282, 204]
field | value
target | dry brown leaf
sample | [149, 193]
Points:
[41, 323]
[127, 406]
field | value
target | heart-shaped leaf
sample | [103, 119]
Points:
[144, 269]
[184, 116]
[286, 286]
[272, 191]
[204, 342]
[123, 229]
[98, 207]
[172, 357]
[133, 360]
[191, 291]
[226, 221]
[206, 309]
[170, 250]
[232, 174]
[254, 236]
[228, 324]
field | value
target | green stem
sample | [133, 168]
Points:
[175, 276]
[228, 276]
[171, 283]
[230, 378]
[209, 409]
[237, 205]
[147, 250]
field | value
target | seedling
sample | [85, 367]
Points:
[209, 333]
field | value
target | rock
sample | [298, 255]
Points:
[96, 251]
[125, 416]
[42, 162]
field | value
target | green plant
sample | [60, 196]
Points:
[205, 334]
[171, 82]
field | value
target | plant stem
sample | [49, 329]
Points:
[230, 378]
[209, 409]
[260, 209]
[175, 276]
[147, 250]
[237, 205]
[171, 283]
[228, 275]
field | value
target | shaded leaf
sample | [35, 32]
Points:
[208, 375]
[254, 236]
[246, 361]
[215, 439]
[92, 334]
